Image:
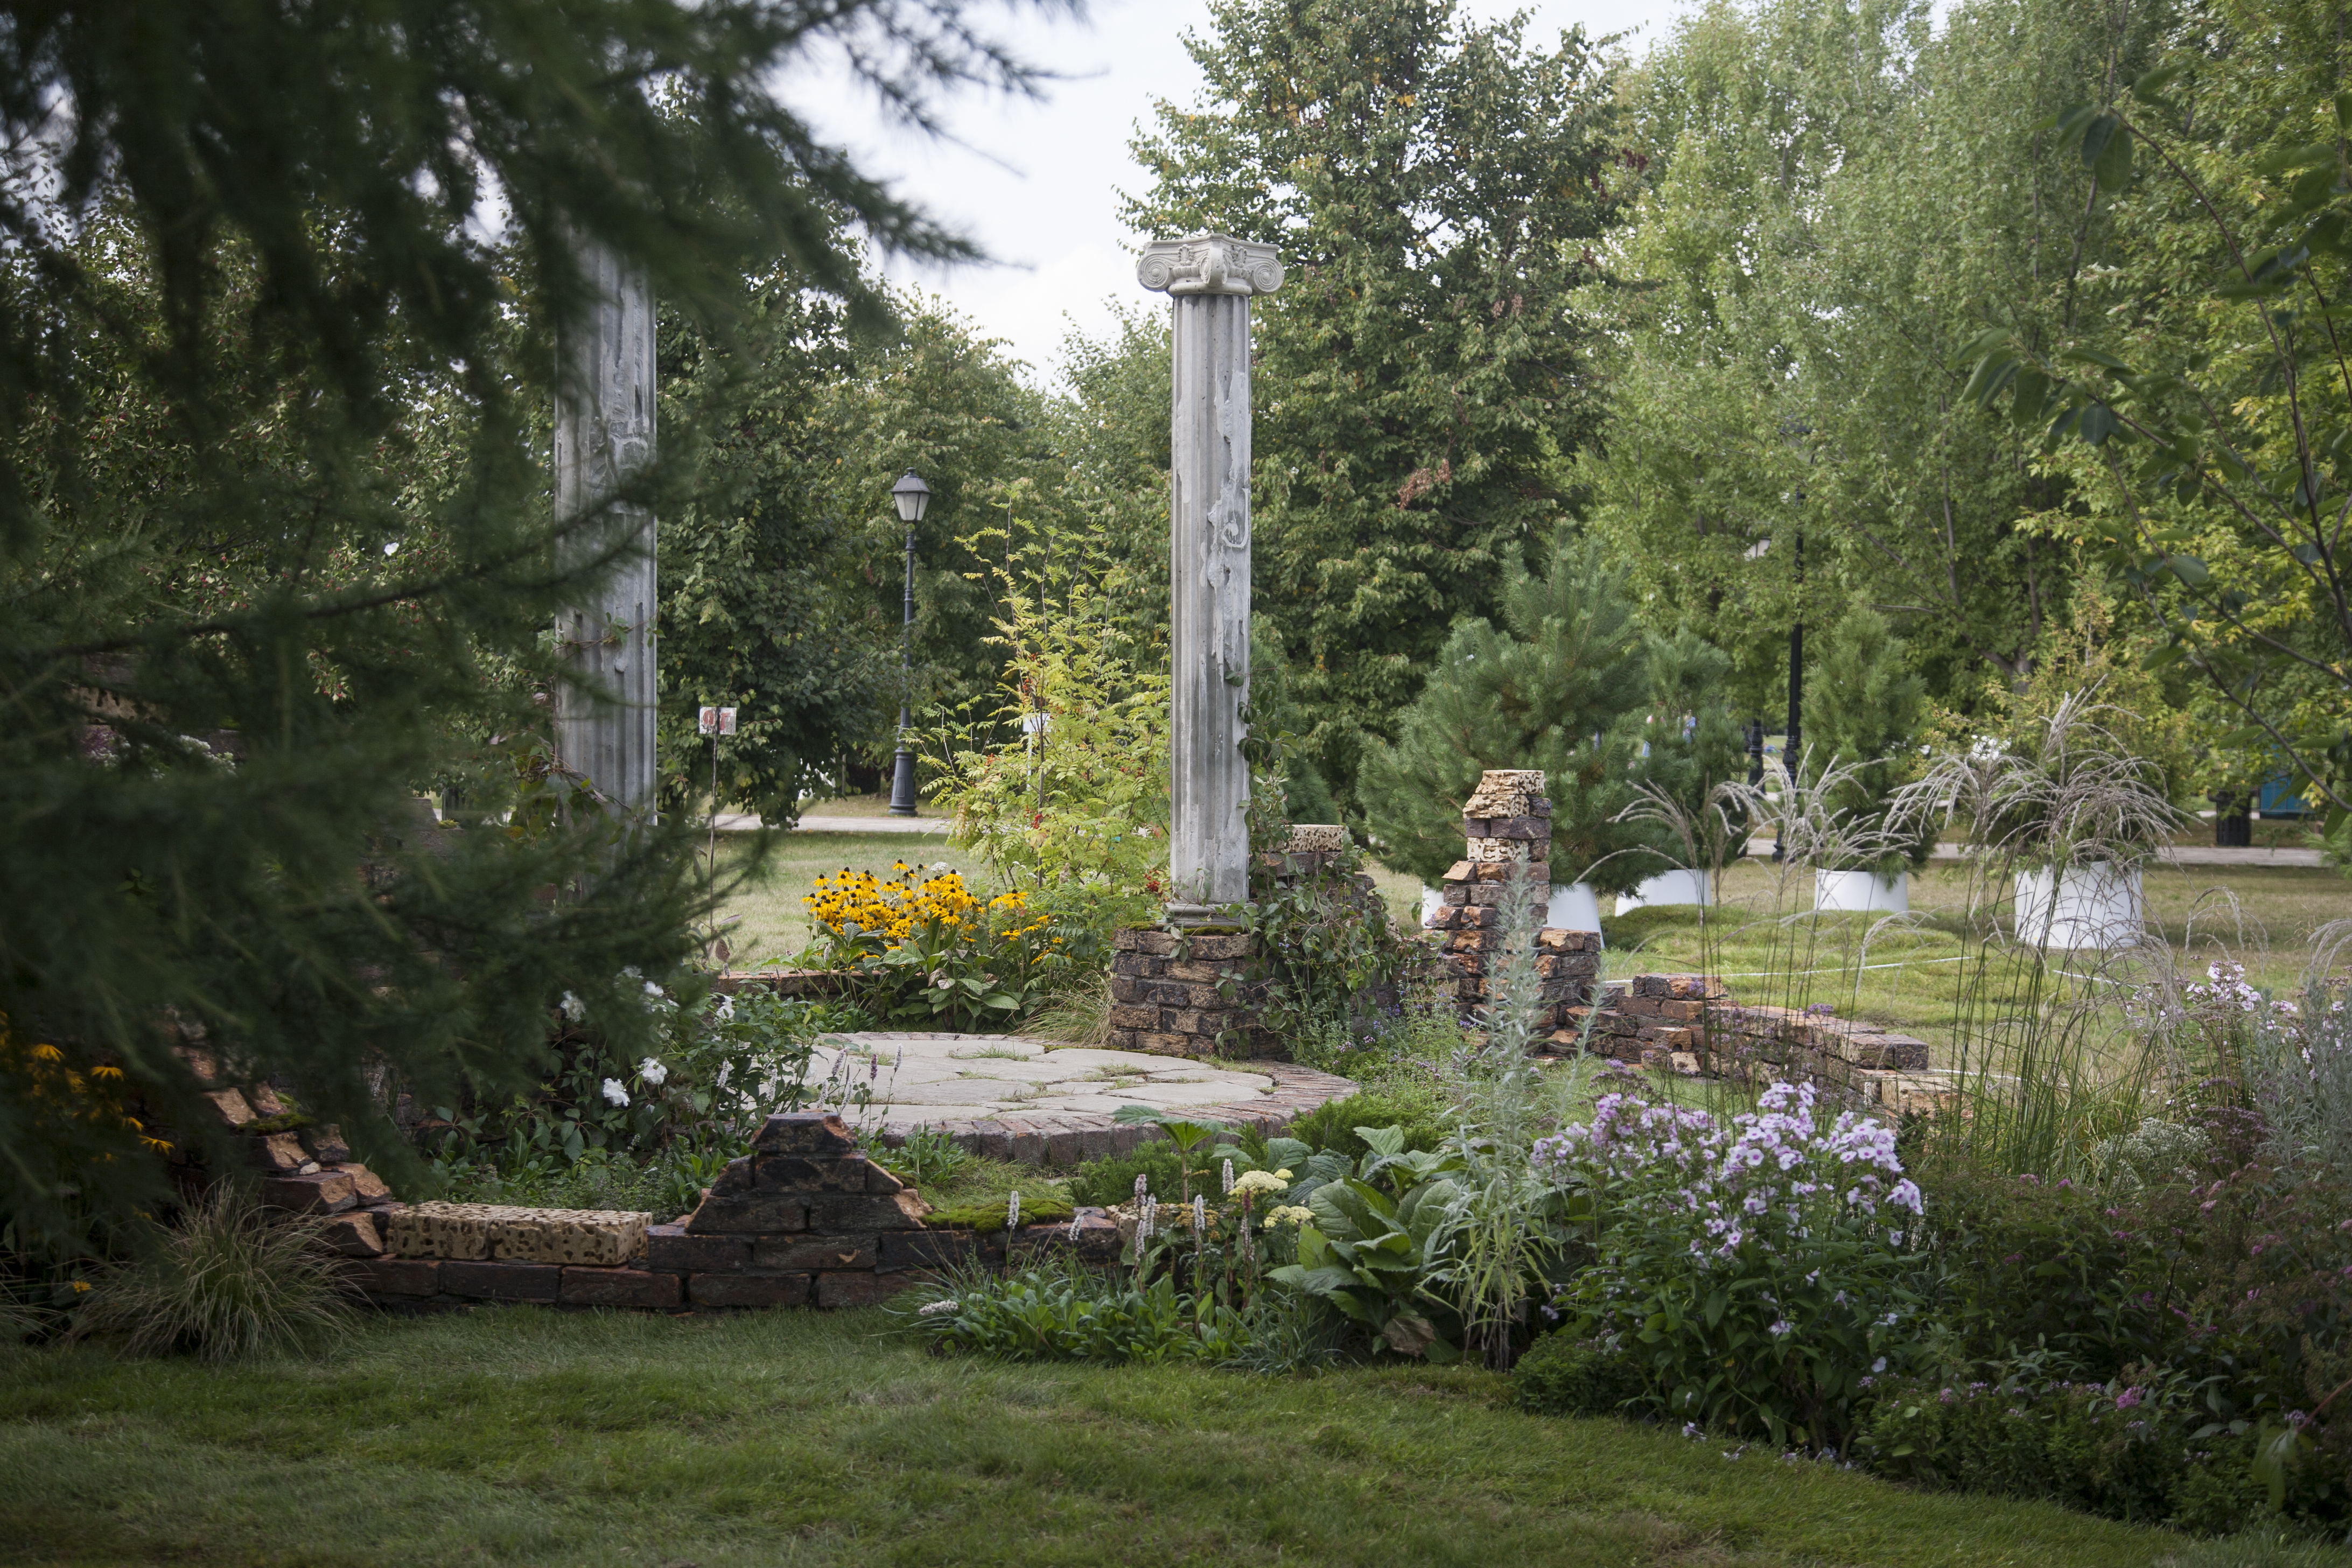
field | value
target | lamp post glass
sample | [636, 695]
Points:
[912, 497]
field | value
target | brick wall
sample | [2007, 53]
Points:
[805, 1220]
[1690, 1024]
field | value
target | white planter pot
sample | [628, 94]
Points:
[2096, 906]
[1865, 893]
[1432, 901]
[1573, 908]
[1667, 888]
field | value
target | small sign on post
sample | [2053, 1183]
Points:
[716, 722]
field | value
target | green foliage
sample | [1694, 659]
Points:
[1071, 1314]
[1059, 775]
[665, 1183]
[1561, 1375]
[275, 533]
[1367, 1251]
[1560, 689]
[1325, 955]
[1422, 367]
[923, 1155]
[932, 392]
[225, 1282]
[2200, 441]
[1691, 746]
[653, 1131]
[1865, 708]
[1419, 1114]
[1828, 195]
[754, 608]
[1111, 1180]
[2128, 1450]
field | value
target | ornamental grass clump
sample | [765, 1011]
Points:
[226, 1283]
[1754, 1268]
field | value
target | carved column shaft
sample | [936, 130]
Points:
[603, 434]
[1211, 279]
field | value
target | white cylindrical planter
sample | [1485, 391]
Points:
[1667, 888]
[1573, 908]
[1432, 901]
[2093, 905]
[1861, 893]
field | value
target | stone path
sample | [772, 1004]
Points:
[1011, 1098]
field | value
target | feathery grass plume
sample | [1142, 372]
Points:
[227, 1282]
[2047, 1065]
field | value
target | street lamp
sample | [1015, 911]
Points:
[912, 497]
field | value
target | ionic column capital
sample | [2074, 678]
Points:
[1209, 264]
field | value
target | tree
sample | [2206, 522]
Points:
[929, 393]
[1435, 187]
[1562, 688]
[2199, 414]
[754, 611]
[274, 536]
[1830, 197]
[1690, 742]
[1864, 708]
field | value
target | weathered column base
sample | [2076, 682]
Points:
[1177, 995]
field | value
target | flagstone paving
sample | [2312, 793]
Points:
[1012, 1097]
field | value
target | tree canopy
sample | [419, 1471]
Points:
[276, 310]
[1436, 185]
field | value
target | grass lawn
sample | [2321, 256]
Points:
[1910, 977]
[521, 1436]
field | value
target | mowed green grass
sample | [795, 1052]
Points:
[522, 1436]
[1924, 974]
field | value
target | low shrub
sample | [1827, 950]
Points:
[2125, 1450]
[1111, 1180]
[2020, 1264]
[223, 1283]
[1562, 1375]
[1419, 1113]
[664, 1184]
[1072, 1314]
[722, 1064]
[1754, 1270]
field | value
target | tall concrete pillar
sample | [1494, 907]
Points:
[603, 435]
[1209, 278]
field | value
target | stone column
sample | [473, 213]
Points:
[603, 435]
[1209, 278]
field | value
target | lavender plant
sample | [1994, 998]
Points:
[1754, 1268]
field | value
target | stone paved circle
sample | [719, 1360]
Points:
[1009, 1097]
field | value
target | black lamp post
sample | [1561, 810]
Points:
[912, 497]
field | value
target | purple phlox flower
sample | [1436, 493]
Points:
[2128, 1398]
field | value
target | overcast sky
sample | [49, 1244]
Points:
[1037, 184]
